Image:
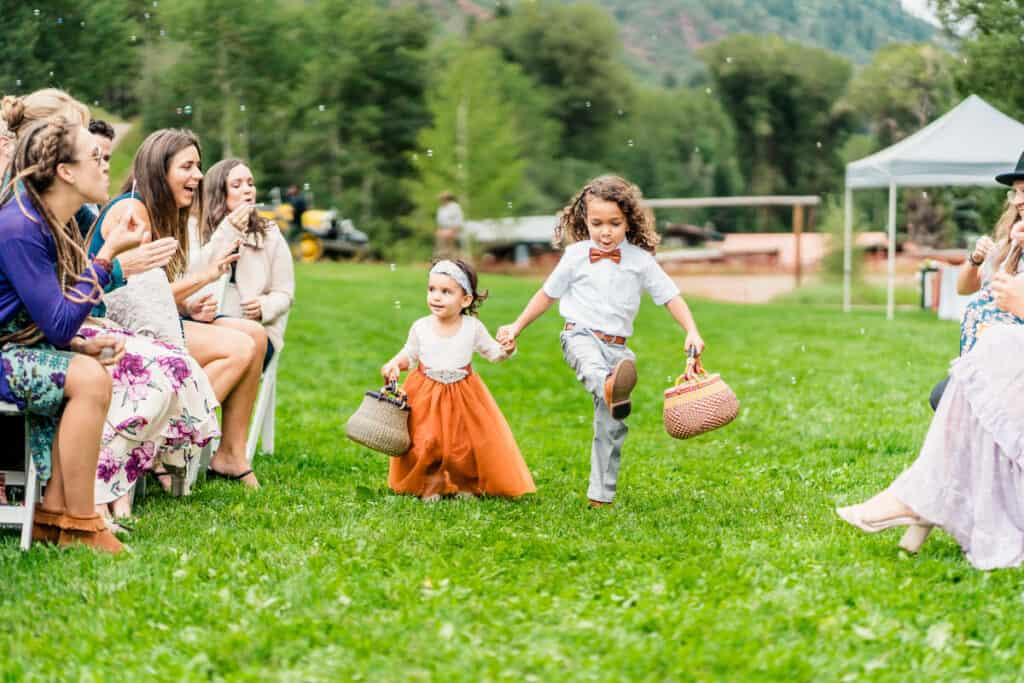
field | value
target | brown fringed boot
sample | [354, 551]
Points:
[46, 525]
[90, 531]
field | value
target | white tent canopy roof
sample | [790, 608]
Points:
[969, 145]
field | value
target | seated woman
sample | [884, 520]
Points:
[47, 290]
[164, 183]
[262, 283]
[988, 258]
[969, 476]
[163, 409]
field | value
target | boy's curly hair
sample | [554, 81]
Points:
[572, 221]
[479, 296]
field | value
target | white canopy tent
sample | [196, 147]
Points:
[969, 145]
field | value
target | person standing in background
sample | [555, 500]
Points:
[449, 223]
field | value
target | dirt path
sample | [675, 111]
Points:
[741, 289]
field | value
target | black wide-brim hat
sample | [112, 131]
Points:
[1014, 175]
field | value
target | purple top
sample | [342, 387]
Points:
[28, 276]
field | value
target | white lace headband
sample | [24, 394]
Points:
[452, 270]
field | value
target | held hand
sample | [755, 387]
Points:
[108, 350]
[508, 333]
[982, 249]
[390, 372]
[128, 233]
[252, 310]
[203, 309]
[221, 263]
[148, 256]
[1008, 291]
[508, 345]
[694, 341]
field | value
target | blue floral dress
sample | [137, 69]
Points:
[982, 312]
[35, 375]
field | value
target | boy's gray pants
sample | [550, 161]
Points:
[592, 360]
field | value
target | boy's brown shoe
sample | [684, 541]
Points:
[617, 388]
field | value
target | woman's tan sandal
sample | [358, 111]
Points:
[89, 531]
[46, 525]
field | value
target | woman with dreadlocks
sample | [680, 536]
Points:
[47, 290]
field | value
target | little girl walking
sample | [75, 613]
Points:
[599, 281]
[461, 442]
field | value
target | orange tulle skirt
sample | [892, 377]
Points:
[461, 443]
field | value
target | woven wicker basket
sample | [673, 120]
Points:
[698, 402]
[382, 422]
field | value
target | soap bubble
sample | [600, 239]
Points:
[620, 112]
[508, 205]
[82, 24]
[163, 33]
[17, 82]
[35, 12]
[398, 304]
[587, 104]
[728, 60]
[51, 74]
[707, 91]
[792, 380]
[696, 150]
[818, 144]
[133, 38]
[430, 152]
[178, 111]
[321, 107]
[95, 103]
[924, 194]
[392, 266]
[241, 107]
[305, 187]
[146, 15]
[188, 110]
[862, 330]
[415, 156]
[630, 142]
[60, 20]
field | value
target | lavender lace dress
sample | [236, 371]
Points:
[969, 476]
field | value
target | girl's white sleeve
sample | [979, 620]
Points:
[412, 346]
[485, 344]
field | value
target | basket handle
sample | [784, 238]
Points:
[391, 389]
[694, 369]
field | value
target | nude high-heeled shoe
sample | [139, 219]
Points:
[914, 537]
[852, 514]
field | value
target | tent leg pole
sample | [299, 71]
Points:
[890, 302]
[847, 247]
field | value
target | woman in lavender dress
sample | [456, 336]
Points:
[968, 478]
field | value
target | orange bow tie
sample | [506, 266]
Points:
[596, 255]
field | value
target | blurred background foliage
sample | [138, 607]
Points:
[376, 107]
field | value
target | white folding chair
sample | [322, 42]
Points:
[21, 515]
[262, 424]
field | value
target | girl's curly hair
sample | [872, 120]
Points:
[572, 221]
[479, 296]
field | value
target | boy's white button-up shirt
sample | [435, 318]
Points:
[606, 295]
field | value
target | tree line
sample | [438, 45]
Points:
[376, 110]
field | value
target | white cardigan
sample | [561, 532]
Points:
[265, 273]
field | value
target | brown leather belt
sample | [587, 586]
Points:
[606, 338]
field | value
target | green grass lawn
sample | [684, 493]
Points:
[722, 559]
